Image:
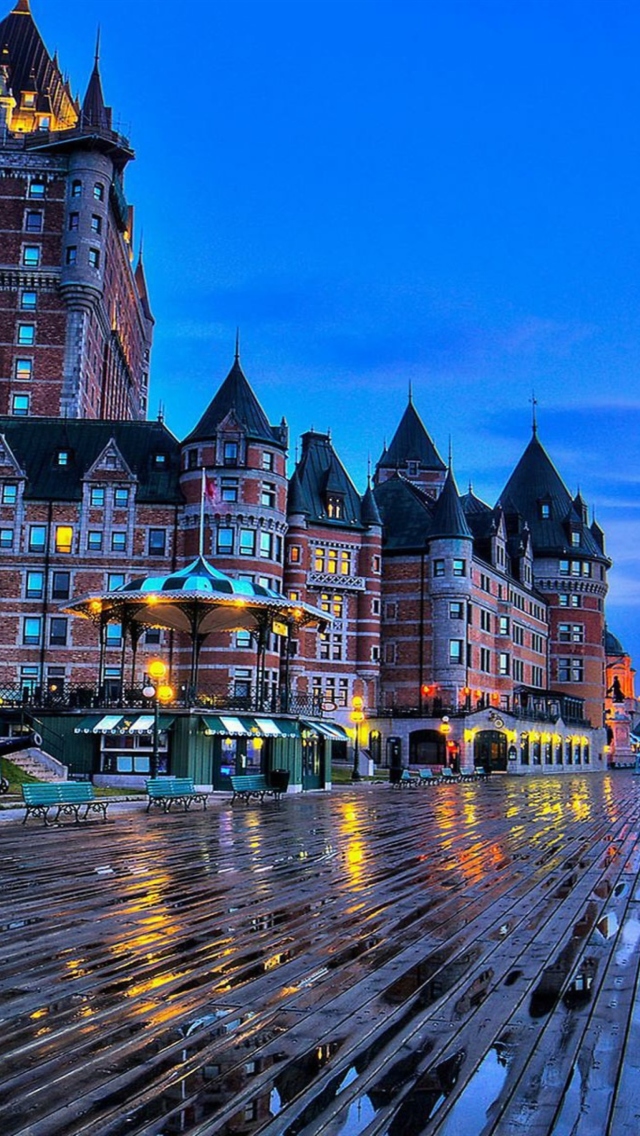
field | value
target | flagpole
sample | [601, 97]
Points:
[201, 543]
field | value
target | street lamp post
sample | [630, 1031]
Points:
[357, 716]
[160, 693]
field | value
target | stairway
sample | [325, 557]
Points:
[38, 764]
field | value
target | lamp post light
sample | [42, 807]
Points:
[160, 693]
[357, 716]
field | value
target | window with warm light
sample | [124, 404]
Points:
[64, 539]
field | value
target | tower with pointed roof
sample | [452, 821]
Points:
[569, 569]
[75, 322]
[242, 458]
[413, 454]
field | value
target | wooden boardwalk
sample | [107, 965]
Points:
[460, 960]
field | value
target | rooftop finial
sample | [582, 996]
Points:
[237, 345]
[534, 417]
[450, 461]
[410, 391]
[97, 55]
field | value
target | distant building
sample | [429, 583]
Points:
[75, 322]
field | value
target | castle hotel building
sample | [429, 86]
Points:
[472, 632]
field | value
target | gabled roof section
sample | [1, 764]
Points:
[319, 467]
[534, 483]
[411, 442]
[448, 519]
[236, 397]
[406, 515]
[148, 449]
[111, 462]
[31, 68]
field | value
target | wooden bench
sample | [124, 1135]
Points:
[67, 797]
[248, 785]
[166, 791]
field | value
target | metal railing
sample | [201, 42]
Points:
[213, 697]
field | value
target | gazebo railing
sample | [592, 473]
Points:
[212, 697]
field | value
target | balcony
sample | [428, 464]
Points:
[333, 580]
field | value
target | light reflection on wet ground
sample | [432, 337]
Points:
[366, 962]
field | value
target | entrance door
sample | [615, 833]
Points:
[490, 751]
[427, 747]
[313, 752]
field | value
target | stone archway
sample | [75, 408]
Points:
[490, 750]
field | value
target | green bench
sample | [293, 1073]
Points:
[407, 780]
[67, 797]
[167, 791]
[428, 777]
[248, 785]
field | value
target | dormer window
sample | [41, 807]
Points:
[63, 457]
[412, 469]
[160, 461]
[575, 539]
[335, 507]
[28, 98]
[545, 510]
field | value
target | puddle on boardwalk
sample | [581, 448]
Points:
[580, 989]
[469, 1113]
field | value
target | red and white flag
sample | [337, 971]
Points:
[209, 489]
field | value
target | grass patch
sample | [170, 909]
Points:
[15, 775]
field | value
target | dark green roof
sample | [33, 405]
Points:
[411, 442]
[236, 397]
[406, 515]
[30, 65]
[535, 481]
[448, 518]
[318, 474]
[37, 442]
[612, 645]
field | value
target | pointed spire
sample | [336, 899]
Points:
[450, 461]
[94, 111]
[534, 417]
[448, 515]
[23, 7]
[237, 354]
[370, 513]
[410, 392]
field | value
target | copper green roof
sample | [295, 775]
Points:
[318, 475]
[406, 515]
[31, 67]
[534, 483]
[411, 442]
[236, 397]
[150, 451]
[612, 645]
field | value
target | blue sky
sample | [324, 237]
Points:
[384, 192]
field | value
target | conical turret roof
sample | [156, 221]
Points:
[94, 111]
[411, 442]
[534, 483]
[370, 512]
[448, 515]
[236, 397]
